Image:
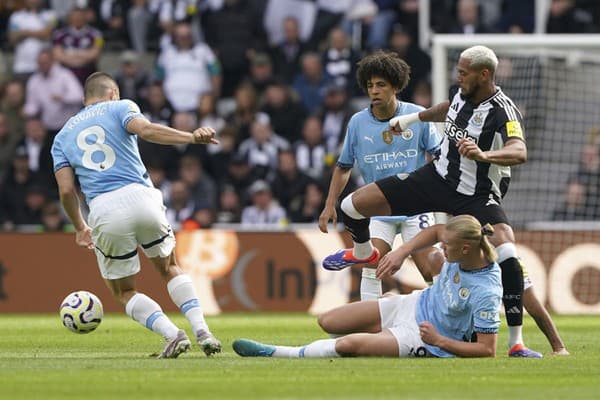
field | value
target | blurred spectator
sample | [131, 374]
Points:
[111, 20]
[8, 143]
[203, 190]
[132, 78]
[235, 32]
[11, 103]
[246, 107]
[156, 106]
[53, 93]
[334, 115]
[287, 53]
[13, 192]
[261, 73]
[262, 147]
[285, 112]
[52, 218]
[172, 12]
[207, 116]
[158, 176]
[382, 22]
[221, 154]
[339, 60]
[139, 23]
[468, 19]
[7, 7]
[420, 63]
[312, 205]
[38, 144]
[240, 176]
[29, 30]
[566, 17]
[358, 16]
[422, 93]
[189, 70]
[517, 16]
[311, 152]
[77, 46]
[310, 83]
[230, 208]
[180, 206]
[408, 16]
[187, 122]
[289, 184]
[582, 198]
[264, 212]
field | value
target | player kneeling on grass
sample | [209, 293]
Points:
[439, 321]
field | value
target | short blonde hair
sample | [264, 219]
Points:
[468, 228]
[481, 57]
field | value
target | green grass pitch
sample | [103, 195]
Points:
[40, 359]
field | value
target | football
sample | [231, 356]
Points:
[81, 312]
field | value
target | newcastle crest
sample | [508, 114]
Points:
[477, 119]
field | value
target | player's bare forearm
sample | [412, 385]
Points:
[485, 346]
[161, 134]
[68, 197]
[339, 180]
[514, 152]
[436, 113]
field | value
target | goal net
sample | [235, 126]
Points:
[554, 199]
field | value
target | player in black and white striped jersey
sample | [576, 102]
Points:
[483, 137]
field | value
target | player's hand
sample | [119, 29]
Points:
[399, 124]
[328, 214]
[428, 333]
[469, 149]
[204, 135]
[83, 238]
[390, 263]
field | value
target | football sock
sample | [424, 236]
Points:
[318, 349]
[512, 284]
[358, 227]
[184, 296]
[370, 286]
[149, 314]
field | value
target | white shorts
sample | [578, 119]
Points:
[398, 316]
[123, 219]
[387, 230]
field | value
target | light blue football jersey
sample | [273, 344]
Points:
[97, 145]
[462, 302]
[379, 154]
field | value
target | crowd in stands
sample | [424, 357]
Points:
[287, 67]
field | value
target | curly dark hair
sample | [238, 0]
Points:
[388, 66]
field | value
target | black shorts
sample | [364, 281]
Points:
[424, 190]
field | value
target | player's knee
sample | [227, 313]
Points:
[503, 233]
[327, 322]
[435, 261]
[347, 346]
[348, 208]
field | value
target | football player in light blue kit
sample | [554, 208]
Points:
[439, 321]
[370, 144]
[99, 146]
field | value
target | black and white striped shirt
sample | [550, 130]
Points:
[489, 124]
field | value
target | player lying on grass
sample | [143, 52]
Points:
[439, 321]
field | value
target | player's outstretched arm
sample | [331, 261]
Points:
[485, 346]
[161, 134]
[339, 180]
[70, 202]
[435, 113]
[392, 261]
